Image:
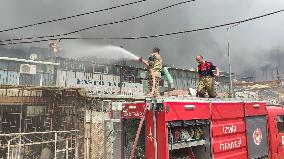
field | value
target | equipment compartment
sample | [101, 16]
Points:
[189, 139]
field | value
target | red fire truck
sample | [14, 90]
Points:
[193, 128]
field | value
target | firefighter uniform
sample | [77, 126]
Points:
[206, 81]
[155, 66]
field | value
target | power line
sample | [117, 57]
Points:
[99, 25]
[154, 36]
[180, 32]
[73, 16]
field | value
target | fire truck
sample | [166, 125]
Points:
[195, 128]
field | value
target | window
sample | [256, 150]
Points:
[280, 124]
[36, 110]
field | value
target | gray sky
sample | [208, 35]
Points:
[257, 44]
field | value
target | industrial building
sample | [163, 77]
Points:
[99, 76]
[57, 107]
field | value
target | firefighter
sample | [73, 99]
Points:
[206, 78]
[154, 66]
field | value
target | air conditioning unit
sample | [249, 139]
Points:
[27, 69]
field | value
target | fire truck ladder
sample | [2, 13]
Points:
[138, 133]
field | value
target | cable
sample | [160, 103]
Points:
[100, 25]
[153, 36]
[186, 31]
[73, 16]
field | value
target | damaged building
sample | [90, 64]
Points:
[56, 107]
[38, 120]
[98, 76]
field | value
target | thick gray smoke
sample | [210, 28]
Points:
[256, 46]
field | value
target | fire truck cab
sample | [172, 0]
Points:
[276, 131]
[194, 128]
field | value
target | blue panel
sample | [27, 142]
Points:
[47, 79]
[30, 79]
[12, 79]
[3, 76]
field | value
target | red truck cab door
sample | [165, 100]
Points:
[276, 131]
[280, 135]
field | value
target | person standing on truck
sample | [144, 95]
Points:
[154, 66]
[206, 78]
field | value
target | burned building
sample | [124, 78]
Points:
[125, 77]
[58, 107]
[98, 76]
[16, 71]
[38, 119]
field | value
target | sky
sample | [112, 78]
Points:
[256, 47]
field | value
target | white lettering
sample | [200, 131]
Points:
[239, 143]
[132, 114]
[230, 145]
[96, 87]
[229, 129]
[125, 113]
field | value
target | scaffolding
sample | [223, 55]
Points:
[49, 144]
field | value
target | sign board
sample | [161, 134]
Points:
[98, 84]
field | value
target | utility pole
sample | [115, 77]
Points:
[278, 86]
[230, 67]
[229, 59]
